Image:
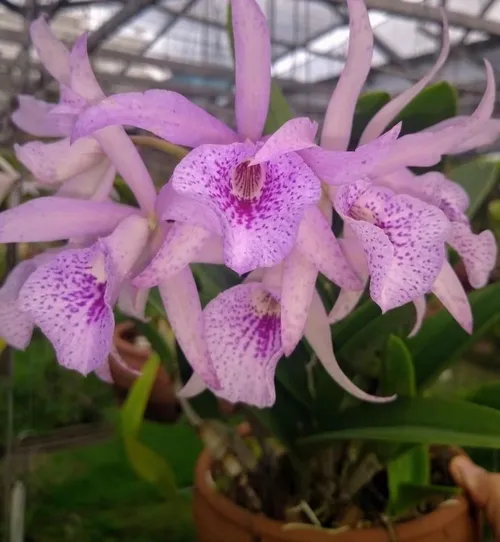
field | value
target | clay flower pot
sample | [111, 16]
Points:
[163, 405]
[217, 519]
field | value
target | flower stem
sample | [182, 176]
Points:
[160, 144]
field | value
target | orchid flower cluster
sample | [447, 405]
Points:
[261, 205]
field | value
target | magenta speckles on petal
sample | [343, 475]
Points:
[242, 327]
[259, 209]
[403, 239]
[68, 298]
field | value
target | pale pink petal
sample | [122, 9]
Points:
[318, 335]
[298, 283]
[55, 218]
[450, 291]
[52, 52]
[420, 310]
[212, 251]
[70, 298]
[259, 210]
[294, 135]
[164, 113]
[95, 183]
[316, 241]
[337, 168]
[340, 113]
[183, 310]
[403, 239]
[132, 301]
[103, 372]
[53, 163]
[194, 386]
[385, 115]
[16, 326]
[478, 252]
[82, 78]
[426, 148]
[252, 49]
[32, 116]
[182, 244]
[243, 334]
[344, 304]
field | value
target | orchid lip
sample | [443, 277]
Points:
[247, 180]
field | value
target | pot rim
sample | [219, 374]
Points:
[126, 347]
[261, 525]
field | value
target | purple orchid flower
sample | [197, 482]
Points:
[250, 190]
[86, 168]
[244, 338]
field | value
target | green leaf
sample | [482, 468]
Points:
[150, 466]
[419, 420]
[434, 104]
[486, 395]
[398, 374]
[279, 111]
[477, 178]
[367, 106]
[132, 411]
[441, 340]
[411, 495]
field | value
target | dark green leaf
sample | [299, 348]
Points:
[132, 411]
[434, 104]
[398, 374]
[420, 420]
[487, 395]
[441, 340]
[477, 178]
[279, 111]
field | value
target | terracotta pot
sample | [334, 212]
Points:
[163, 405]
[217, 519]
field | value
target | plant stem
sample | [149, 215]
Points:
[160, 144]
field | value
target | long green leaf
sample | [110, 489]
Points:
[441, 340]
[150, 466]
[133, 408]
[279, 111]
[366, 107]
[420, 420]
[477, 178]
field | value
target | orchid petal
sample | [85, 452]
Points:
[348, 299]
[103, 372]
[118, 146]
[52, 163]
[70, 297]
[340, 113]
[420, 310]
[243, 335]
[132, 301]
[193, 387]
[318, 335]
[426, 148]
[294, 135]
[316, 241]
[173, 206]
[180, 247]
[403, 239]
[478, 252]
[52, 52]
[16, 326]
[183, 309]
[32, 116]
[164, 113]
[212, 251]
[298, 283]
[450, 291]
[258, 231]
[252, 51]
[96, 183]
[337, 168]
[56, 218]
[82, 78]
[385, 115]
